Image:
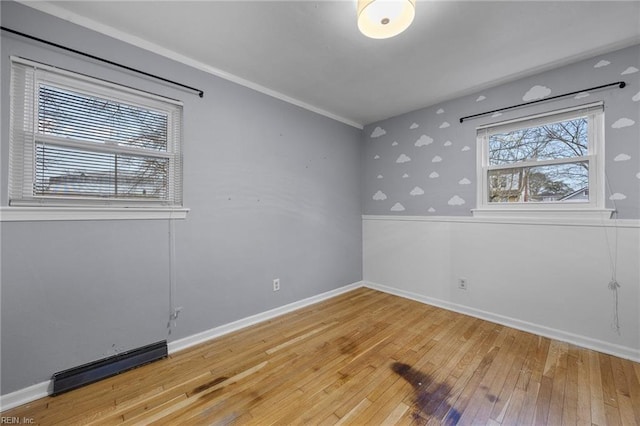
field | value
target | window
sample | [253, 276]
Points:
[549, 161]
[83, 142]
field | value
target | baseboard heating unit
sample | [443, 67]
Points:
[97, 370]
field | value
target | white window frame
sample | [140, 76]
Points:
[593, 209]
[25, 205]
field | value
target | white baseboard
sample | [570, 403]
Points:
[26, 395]
[41, 390]
[207, 335]
[579, 340]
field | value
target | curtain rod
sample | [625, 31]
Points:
[88, 55]
[620, 84]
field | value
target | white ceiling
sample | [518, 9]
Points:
[311, 53]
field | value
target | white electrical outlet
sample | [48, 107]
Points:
[276, 284]
[463, 283]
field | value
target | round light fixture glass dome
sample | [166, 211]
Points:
[385, 18]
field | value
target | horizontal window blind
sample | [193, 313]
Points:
[87, 118]
[21, 137]
[86, 141]
[540, 119]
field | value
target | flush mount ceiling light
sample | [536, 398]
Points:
[385, 18]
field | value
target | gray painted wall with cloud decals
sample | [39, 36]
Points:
[424, 162]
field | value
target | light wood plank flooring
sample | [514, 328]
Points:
[364, 358]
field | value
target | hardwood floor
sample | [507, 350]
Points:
[364, 358]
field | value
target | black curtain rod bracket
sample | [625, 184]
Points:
[620, 84]
[107, 61]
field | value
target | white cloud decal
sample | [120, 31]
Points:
[395, 143]
[379, 196]
[466, 148]
[581, 95]
[417, 191]
[629, 70]
[617, 196]
[455, 201]
[436, 159]
[601, 64]
[377, 157]
[414, 126]
[623, 122]
[380, 176]
[481, 98]
[638, 175]
[404, 176]
[636, 97]
[622, 157]
[536, 92]
[448, 143]
[496, 114]
[440, 111]
[424, 140]
[377, 132]
[464, 181]
[431, 210]
[397, 207]
[403, 158]
[444, 125]
[434, 175]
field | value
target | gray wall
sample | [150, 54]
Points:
[395, 165]
[273, 191]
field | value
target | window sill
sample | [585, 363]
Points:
[579, 215]
[35, 214]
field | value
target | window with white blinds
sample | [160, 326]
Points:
[80, 141]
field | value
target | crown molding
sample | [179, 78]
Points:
[58, 12]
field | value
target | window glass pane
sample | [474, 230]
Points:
[555, 183]
[69, 114]
[565, 139]
[74, 172]
[142, 177]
